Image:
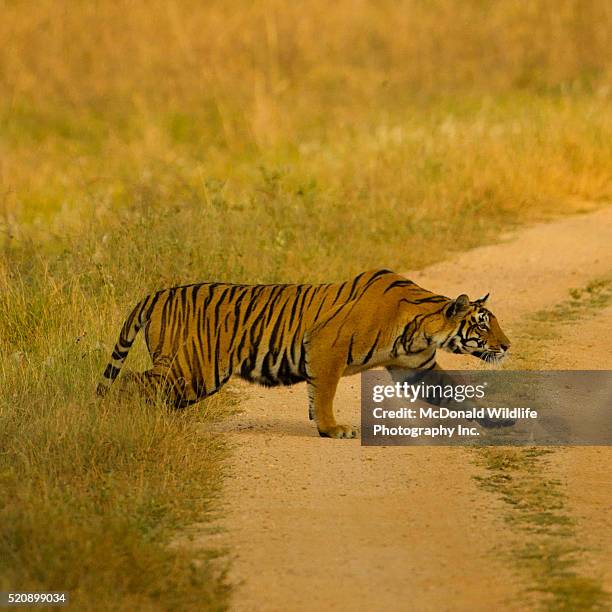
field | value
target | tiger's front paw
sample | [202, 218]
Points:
[338, 431]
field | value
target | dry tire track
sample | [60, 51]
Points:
[326, 524]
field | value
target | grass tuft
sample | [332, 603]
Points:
[583, 301]
[546, 550]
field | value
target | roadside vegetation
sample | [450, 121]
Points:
[544, 545]
[541, 329]
[542, 540]
[150, 144]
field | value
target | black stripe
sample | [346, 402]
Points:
[399, 283]
[286, 375]
[372, 348]
[313, 293]
[143, 305]
[184, 297]
[316, 317]
[338, 293]
[273, 343]
[196, 367]
[238, 303]
[208, 334]
[163, 325]
[267, 378]
[272, 301]
[119, 354]
[434, 299]
[218, 307]
[354, 286]
[302, 365]
[111, 372]
[349, 359]
[253, 302]
[194, 296]
[296, 299]
[375, 277]
[216, 361]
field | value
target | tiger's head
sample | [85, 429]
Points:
[475, 330]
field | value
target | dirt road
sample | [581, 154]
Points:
[326, 524]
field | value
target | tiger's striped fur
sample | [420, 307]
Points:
[200, 335]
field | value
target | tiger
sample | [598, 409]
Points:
[200, 335]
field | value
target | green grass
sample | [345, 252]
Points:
[541, 328]
[543, 544]
[583, 301]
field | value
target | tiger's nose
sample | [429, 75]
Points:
[504, 347]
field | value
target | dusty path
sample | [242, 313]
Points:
[326, 524]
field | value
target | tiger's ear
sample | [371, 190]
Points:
[458, 307]
[481, 301]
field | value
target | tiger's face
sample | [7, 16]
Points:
[476, 330]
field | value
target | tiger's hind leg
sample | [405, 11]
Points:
[149, 384]
[160, 384]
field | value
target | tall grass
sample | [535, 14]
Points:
[93, 493]
[410, 103]
[144, 144]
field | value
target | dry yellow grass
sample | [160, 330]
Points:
[144, 144]
[375, 100]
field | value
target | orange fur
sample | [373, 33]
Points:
[200, 335]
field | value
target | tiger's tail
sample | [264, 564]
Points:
[132, 325]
